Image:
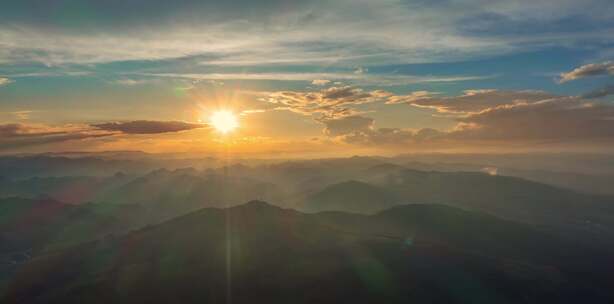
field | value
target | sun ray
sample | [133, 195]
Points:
[224, 121]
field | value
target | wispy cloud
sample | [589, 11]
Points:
[361, 79]
[242, 33]
[471, 100]
[130, 81]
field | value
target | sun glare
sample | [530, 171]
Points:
[224, 121]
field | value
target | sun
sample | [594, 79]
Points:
[224, 121]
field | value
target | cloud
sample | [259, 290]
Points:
[361, 130]
[470, 101]
[481, 115]
[566, 119]
[16, 115]
[347, 125]
[323, 78]
[393, 137]
[331, 103]
[593, 69]
[561, 118]
[130, 81]
[148, 126]
[601, 92]
[320, 82]
[242, 32]
[18, 135]
[4, 81]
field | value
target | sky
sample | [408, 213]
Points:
[309, 77]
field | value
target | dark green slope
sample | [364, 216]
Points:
[508, 197]
[351, 196]
[258, 253]
[44, 224]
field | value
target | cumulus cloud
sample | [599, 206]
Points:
[148, 126]
[510, 119]
[481, 115]
[330, 103]
[18, 135]
[471, 100]
[587, 70]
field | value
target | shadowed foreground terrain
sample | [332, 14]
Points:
[259, 252]
[359, 229]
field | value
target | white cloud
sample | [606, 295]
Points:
[320, 82]
[471, 100]
[4, 81]
[329, 103]
[355, 79]
[352, 32]
[587, 70]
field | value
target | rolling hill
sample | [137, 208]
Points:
[350, 196]
[424, 253]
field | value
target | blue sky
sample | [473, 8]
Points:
[79, 63]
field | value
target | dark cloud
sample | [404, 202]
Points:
[601, 92]
[148, 126]
[593, 69]
[21, 135]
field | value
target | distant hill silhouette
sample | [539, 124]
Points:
[351, 196]
[508, 197]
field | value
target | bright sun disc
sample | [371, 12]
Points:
[224, 121]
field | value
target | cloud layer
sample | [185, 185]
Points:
[148, 126]
[481, 115]
[244, 33]
[19, 135]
